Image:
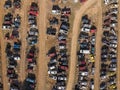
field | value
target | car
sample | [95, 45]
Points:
[17, 4]
[92, 58]
[111, 73]
[53, 72]
[92, 84]
[84, 82]
[51, 31]
[53, 21]
[61, 87]
[113, 50]
[111, 81]
[113, 66]
[31, 78]
[82, 87]
[93, 69]
[93, 39]
[103, 86]
[64, 63]
[112, 45]
[14, 86]
[53, 60]
[63, 67]
[106, 2]
[52, 67]
[113, 87]
[103, 74]
[61, 78]
[8, 4]
[84, 73]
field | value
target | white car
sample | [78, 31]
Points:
[113, 45]
[62, 78]
[84, 83]
[113, 50]
[52, 67]
[52, 72]
[106, 2]
[83, 88]
[85, 73]
[17, 58]
[103, 77]
[61, 87]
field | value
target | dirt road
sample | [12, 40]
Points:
[98, 45]
[73, 59]
[24, 22]
[3, 55]
[42, 67]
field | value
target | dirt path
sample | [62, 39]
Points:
[42, 67]
[98, 45]
[75, 33]
[3, 55]
[24, 22]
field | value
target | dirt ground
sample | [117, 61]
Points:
[98, 45]
[42, 67]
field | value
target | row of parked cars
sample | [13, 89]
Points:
[13, 49]
[32, 51]
[16, 4]
[12, 23]
[13, 57]
[32, 37]
[58, 64]
[108, 68]
[15, 28]
[86, 55]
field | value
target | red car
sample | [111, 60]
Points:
[51, 55]
[82, 68]
[63, 67]
[35, 13]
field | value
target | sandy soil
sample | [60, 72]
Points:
[98, 45]
[42, 67]
[24, 22]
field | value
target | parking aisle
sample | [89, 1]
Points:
[98, 44]
[42, 63]
[23, 40]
